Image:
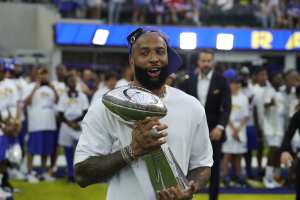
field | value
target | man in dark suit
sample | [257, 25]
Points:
[213, 92]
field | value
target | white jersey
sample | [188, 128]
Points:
[271, 118]
[274, 115]
[239, 111]
[41, 111]
[72, 107]
[188, 137]
[9, 97]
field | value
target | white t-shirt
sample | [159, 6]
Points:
[41, 111]
[72, 107]
[188, 138]
[122, 82]
[239, 110]
[99, 93]
[9, 97]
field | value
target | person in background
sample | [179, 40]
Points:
[293, 14]
[174, 8]
[289, 89]
[295, 104]
[71, 108]
[127, 76]
[89, 79]
[114, 11]
[260, 85]
[191, 12]
[9, 127]
[140, 7]
[158, 8]
[269, 13]
[110, 81]
[236, 141]
[41, 101]
[171, 79]
[270, 108]
[14, 112]
[247, 89]
[59, 83]
[21, 84]
[213, 91]
[94, 9]
[286, 157]
[60, 88]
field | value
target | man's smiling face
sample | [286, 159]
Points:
[150, 60]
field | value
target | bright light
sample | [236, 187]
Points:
[100, 37]
[188, 40]
[224, 41]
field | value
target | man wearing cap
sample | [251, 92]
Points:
[98, 155]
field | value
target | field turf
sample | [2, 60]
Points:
[60, 190]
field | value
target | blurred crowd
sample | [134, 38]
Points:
[254, 13]
[40, 115]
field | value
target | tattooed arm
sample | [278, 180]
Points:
[200, 176]
[98, 168]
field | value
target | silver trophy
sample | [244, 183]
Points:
[132, 104]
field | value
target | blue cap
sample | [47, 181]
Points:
[231, 75]
[7, 65]
[174, 60]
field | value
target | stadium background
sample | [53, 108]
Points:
[38, 32]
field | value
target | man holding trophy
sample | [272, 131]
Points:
[147, 140]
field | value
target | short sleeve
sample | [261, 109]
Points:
[95, 139]
[201, 153]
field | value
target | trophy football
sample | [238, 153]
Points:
[132, 104]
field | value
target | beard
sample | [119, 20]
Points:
[148, 82]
